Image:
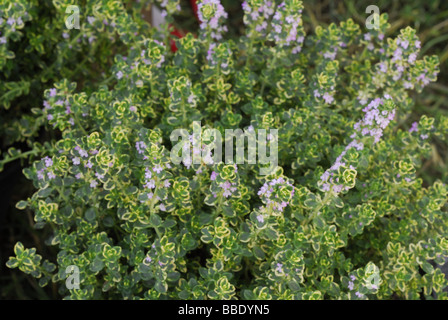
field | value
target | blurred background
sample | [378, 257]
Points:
[428, 17]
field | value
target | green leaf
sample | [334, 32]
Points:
[44, 193]
[259, 253]
[90, 214]
[169, 223]
[161, 287]
[155, 220]
[427, 267]
[97, 265]
[21, 205]
[245, 237]
[18, 249]
[12, 263]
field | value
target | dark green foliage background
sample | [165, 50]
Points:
[429, 18]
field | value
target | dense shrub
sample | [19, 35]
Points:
[343, 215]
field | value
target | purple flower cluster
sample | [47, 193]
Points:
[169, 7]
[141, 147]
[256, 15]
[83, 158]
[153, 182]
[150, 182]
[227, 187]
[375, 120]
[48, 163]
[328, 97]
[404, 56]
[373, 124]
[287, 29]
[414, 127]
[210, 12]
[54, 104]
[270, 195]
[203, 152]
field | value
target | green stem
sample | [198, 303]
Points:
[271, 62]
[151, 211]
[249, 51]
[48, 70]
[19, 156]
[313, 214]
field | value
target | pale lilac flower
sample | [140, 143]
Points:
[210, 52]
[373, 124]
[99, 176]
[214, 22]
[40, 174]
[158, 168]
[412, 57]
[425, 80]
[405, 44]
[328, 98]
[414, 127]
[351, 285]
[279, 268]
[150, 184]
[140, 146]
[83, 153]
[93, 184]
[330, 55]
[397, 55]
[48, 162]
[227, 193]
[407, 85]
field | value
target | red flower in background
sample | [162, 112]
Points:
[194, 5]
[181, 34]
